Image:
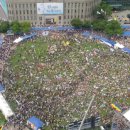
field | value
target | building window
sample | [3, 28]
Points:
[75, 5]
[40, 18]
[64, 4]
[26, 5]
[27, 12]
[64, 17]
[71, 4]
[68, 4]
[23, 5]
[15, 5]
[20, 12]
[59, 17]
[31, 11]
[68, 11]
[23, 11]
[75, 10]
[27, 17]
[68, 17]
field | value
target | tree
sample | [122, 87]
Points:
[4, 26]
[99, 25]
[87, 24]
[16, 27]
[113, 28]
[25, 27]
[103, 10]
[77, 23]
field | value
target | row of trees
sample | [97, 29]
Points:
[112, 27]
[15, 26]
[101, 22]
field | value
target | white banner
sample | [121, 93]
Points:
[50, 8]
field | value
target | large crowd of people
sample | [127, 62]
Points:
[55, 81]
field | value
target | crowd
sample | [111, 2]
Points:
[56, 82]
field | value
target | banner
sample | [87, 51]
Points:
[49, 8]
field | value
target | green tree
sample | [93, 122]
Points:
[87, 24]
[113, 28]
[25, 27]
[99, 25]
[103, 11]
[4, 26]
[77, 23]
[16, 27]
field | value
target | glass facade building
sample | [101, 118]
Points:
[124, 4]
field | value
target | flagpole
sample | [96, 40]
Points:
[86, 112]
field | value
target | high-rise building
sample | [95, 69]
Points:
[43, 12]
[3, 10]
[121, 4]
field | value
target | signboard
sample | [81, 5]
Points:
[49, 8]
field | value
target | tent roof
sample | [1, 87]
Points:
[2, 88]
[37, 122]
[5, 108]
[126, 33]
[127, 115]
[126, 50]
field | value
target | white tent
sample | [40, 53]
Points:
[45, 33]
[127, 115]
[118, 45]
[17, 40]
[5, 108]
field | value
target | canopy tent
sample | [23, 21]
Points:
[2, 88]
[28, 36]
[35, 123]
[118, 45]
[86, 34]
[5, 108]
[126, 33]
[127, 50]
[17, 40]
[127, 115]
[125, 26]
[105, 40]
[59, 28]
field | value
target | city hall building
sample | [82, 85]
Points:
[46, 12]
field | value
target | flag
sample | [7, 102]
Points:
[1, 127]
[66, 43]
[115, 107]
